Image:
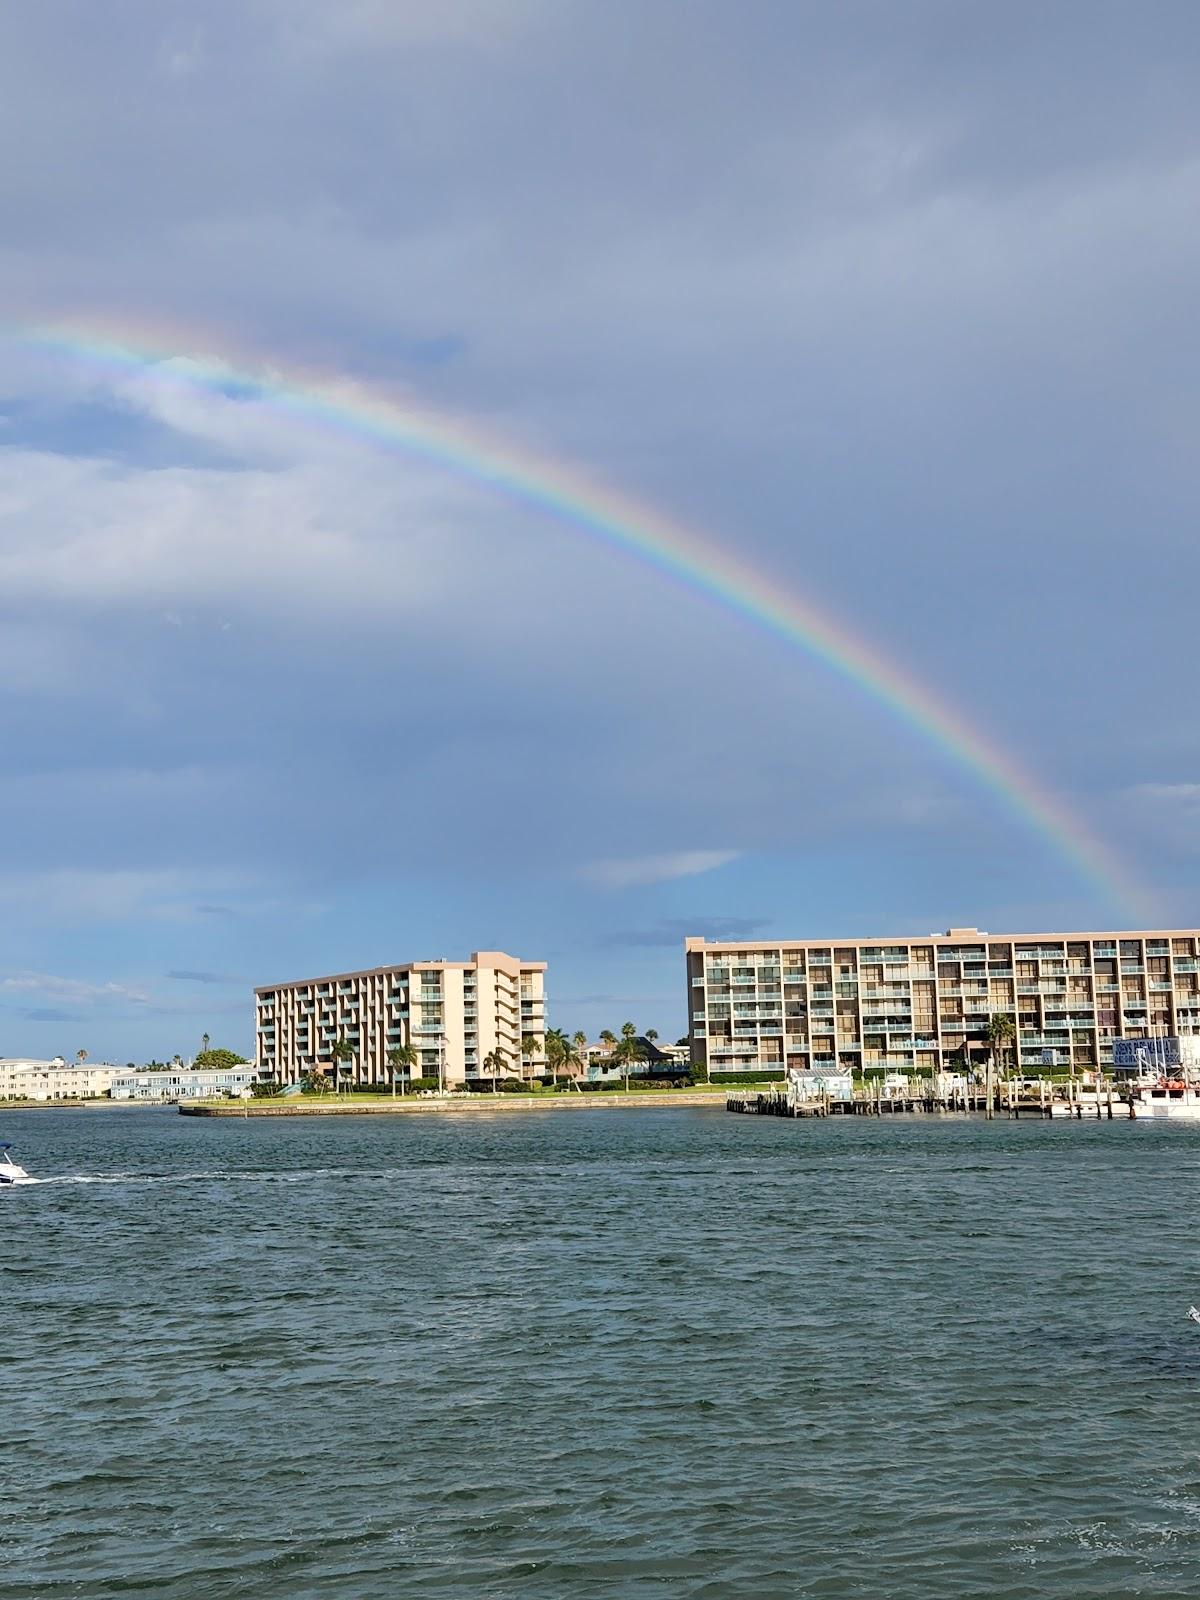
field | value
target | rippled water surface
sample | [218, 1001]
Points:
[644, 1352]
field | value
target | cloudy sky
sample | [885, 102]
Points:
[896, 303]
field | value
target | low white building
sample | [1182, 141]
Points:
[22, 1078]
[185, 1083]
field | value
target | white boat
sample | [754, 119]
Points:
[1167, 1098]
[10, 1172]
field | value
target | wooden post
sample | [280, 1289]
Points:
[989, 1110]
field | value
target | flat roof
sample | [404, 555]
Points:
[947, 936]
[480, 958]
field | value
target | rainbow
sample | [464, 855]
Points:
[682, 553]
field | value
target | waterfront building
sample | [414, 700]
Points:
[184, 1083]
[458, 1016]
[654, 1059]
[923, 1004]
[22, 1078]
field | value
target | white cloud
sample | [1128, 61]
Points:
[285, 517]
[69, 991]
[631, 871]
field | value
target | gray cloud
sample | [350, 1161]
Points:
[886, 298]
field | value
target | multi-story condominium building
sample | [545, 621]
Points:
[456, 1015]
[24, 1079]
[917, 1004]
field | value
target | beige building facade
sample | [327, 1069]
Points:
[24, 1079]
[914, 1004]
[454, 1014]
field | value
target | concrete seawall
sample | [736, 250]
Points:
[610, 1100]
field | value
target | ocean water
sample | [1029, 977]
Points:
[636, 1353]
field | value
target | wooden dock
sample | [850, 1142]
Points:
[1007, 1101]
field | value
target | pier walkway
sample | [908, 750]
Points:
[1007, 1100]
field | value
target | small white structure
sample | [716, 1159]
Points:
[804, 1086]
[185, 1083]
[22, 1078]
[949, 1085]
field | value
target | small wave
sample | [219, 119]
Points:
[209, 1175]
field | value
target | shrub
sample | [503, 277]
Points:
[419, 1084]
[759, 1075]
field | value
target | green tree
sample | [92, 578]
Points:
[651, 1034]
[340, 1051]
[1001, 1033]
[495, 1064]
[531, 1045]
[403, 1055]
[219, 1060]
[203, 1043]
[628, 1049]
[558, 1051]
[577, 1060]
[314, 1079]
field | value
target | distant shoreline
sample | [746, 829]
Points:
[611, 1099]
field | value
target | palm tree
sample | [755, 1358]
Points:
[531, 1046]
[339, 1051]
[402, 1056]
[496, 1063]
[628, 1050]
[204, 1042]
[81, 1056]
[558, 1050]
[607, 1036]
[651, 1034]
[1001, 1033]
[578, 1054]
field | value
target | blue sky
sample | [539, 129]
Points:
[895, 302]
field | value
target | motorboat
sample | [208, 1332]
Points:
[10, 1172]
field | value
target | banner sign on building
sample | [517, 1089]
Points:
[1147, 1054]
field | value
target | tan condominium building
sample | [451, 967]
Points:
[916, 1004]
[465, 1021]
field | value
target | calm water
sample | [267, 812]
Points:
[665, 1353]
